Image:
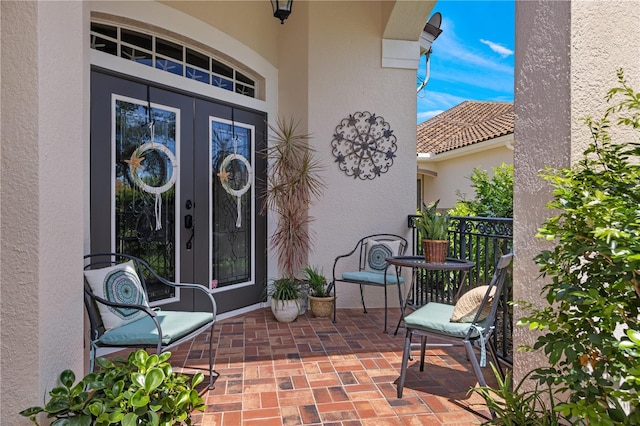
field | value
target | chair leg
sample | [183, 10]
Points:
[405, 360]
[423, 348]
[211, 357]
[385, 309]
[494, 357]
[474, 362]
[335, 302]
[362, 298]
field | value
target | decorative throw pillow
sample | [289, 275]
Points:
[118, 284]
[466, 308]
[377, 252]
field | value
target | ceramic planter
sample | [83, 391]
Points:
[321, 307]
[285, 310]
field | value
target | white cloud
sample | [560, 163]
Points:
[449, 48]
[425, 115]
[498, 48]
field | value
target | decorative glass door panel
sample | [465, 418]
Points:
[232, 203]
[145, 180]
[173, 181]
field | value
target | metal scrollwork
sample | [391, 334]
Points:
[364, 146]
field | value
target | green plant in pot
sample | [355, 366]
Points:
[433, 228]
[320, 299]
[141, 390]
[285, 298]
[293, 183]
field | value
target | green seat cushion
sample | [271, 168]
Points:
[175, 325]
[436, 317]
[371, 277]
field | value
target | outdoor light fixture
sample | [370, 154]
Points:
[429, 34]
[281, 9]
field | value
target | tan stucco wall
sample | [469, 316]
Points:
[242, 20]
[345, 76]
[566, 57]
[453, 174]
[43, 136]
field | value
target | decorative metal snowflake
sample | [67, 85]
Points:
[364, 146]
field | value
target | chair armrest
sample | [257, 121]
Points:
[194, 286]
[342, 256]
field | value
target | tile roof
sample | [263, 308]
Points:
[466, 124]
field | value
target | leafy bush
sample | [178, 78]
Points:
[493, 195]
[513, 406]
[594, 268]
[142, 390]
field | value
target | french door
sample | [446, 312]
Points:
[175, 181]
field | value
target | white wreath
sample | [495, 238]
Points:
[156, 190]
[227, 186]
[172, 159]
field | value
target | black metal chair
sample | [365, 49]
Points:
[115, 295]
[434, 319]
[365, 265]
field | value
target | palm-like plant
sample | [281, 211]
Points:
[293, 182]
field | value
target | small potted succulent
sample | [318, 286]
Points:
[320, 299]
[433, 228]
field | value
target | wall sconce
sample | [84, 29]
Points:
[281, 9]
[429, 34]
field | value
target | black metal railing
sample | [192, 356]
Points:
[479, 239]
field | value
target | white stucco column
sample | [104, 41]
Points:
[44, 134]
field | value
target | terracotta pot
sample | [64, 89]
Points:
[285, 310]
[321, 307]
[435, 251]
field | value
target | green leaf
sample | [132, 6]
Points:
[130, 419]
[138, 379]
[153, 379]
[197, 379]
[634, 336]
[139, 399]
[31, 411]
[67, 378]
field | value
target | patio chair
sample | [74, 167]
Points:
[115, 296]
[371, 268]
[470, 322]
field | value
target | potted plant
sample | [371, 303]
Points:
[320, 299]
[285, 298]
[433, 228]
[293, 183]
[141, 390]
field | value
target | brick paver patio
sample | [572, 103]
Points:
[313, 372]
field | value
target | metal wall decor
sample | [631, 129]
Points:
[364, 146]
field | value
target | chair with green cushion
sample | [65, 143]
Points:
[116, 299]
[365, 265]
[470, 322]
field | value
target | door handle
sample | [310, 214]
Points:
[188, 221]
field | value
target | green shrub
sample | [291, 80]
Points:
[493, 195]
[593, 267]
[142, 390]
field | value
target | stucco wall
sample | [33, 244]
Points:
[453, 174]
[566, 57]
[43, 134]
[348, 35]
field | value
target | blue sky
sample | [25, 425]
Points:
[472, 58]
